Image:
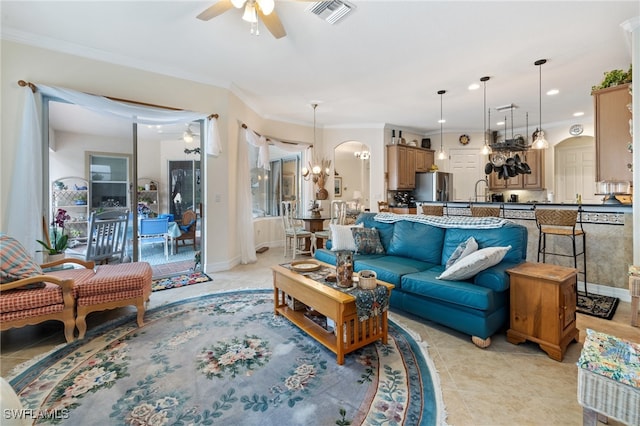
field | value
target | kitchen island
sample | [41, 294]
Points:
[609, 230]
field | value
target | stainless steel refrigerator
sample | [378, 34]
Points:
[434, 186]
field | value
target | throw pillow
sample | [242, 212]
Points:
[476, 262]
[367, 241]
[464, 249]
[342, 238]
[15, 263]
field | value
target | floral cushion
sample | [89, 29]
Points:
[477, 261]
[464, 249]
[367, 241]
[612, 357]
[15, 263]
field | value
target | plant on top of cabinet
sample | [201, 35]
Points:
[613, 78]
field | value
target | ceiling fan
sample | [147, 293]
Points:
[188, 135]
[264, 9]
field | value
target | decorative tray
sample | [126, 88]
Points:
[305, 265]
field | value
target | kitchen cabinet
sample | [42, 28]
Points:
[403, 162]
[543, 306]
[612, 121]
[534, 181]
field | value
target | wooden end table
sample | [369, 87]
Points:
[349, 334]
[543, 306]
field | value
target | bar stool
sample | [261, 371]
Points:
[485, 211]
[562, 223]
[433, 210]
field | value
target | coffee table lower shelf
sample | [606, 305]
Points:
[349, 333]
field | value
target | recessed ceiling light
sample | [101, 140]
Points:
[578, 114]
[442, 120]
[553, 92]
[474, 86]
[500, 123]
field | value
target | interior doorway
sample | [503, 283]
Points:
[89, 146]
[575, 170]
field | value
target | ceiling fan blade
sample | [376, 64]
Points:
[217, 9]
[273, 24]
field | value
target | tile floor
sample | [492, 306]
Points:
[502, 385]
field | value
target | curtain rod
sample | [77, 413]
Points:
[244, 126]
[34, 89]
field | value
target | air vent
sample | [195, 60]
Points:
[331, 11]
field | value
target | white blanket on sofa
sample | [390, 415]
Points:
[445, 221]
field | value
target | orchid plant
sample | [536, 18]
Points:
[59, 241]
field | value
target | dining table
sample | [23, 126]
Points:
[312, 224]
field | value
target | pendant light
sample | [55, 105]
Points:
[540, 142]
[441, 153]
[486, 149]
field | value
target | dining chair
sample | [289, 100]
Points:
[295, 236]
[152, 231]
[338, 217]
[188, 229]
[106, 241]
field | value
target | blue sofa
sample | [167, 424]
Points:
[416, 253]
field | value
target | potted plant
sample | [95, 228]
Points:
[613, 78]
[55, 245]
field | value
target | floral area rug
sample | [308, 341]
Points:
[226, 359]
[180, 280]
[597, 305]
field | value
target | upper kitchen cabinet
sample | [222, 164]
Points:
[612, 121]
[403, 162]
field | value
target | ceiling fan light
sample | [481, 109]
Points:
[187, 136]
[238, 3]
[266, 6]
[250, 14]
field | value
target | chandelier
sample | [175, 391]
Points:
[318, 172]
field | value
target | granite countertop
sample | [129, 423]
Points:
[610, 208]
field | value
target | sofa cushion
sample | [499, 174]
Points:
[391, 268]
[417, 241]
[385, 230]
[475, 262]
[342, 238]
[367, 241]
[511, 234]
[15, 263]
[462, 293]
[464, 249]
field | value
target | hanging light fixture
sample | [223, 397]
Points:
[319, 171]
[441, 154]
[486, 149]
[540, 142]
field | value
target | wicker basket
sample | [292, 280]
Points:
[367, 279]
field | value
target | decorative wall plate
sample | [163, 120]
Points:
[576, 129]
[464, 139]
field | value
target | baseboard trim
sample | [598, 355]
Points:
[604, 290]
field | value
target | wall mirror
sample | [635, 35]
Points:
[352, 174]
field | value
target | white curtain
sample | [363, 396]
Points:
[244, 201]
[24, 209]
[24, 212]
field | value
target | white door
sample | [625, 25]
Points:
[575, 171]
[467, 166]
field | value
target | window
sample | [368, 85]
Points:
[270, 187]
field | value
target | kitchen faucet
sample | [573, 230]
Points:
[475, 192]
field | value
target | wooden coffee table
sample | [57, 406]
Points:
[332, 303]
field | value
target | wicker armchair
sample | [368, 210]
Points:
[188, 228]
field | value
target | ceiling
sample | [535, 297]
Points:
[383, 64]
